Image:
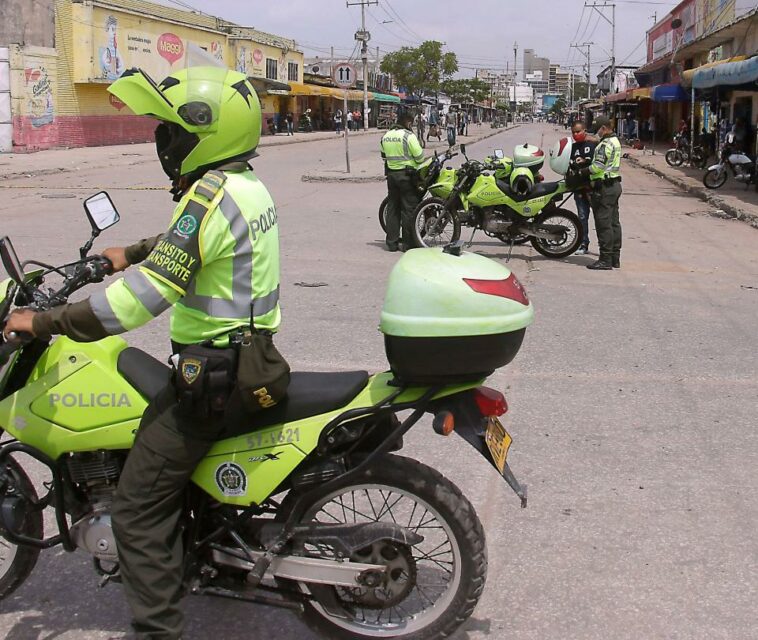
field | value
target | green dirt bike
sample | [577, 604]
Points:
[428, 173]
[304, 506]
[474, 195]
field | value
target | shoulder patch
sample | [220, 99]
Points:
[176, 257]
[210, 184]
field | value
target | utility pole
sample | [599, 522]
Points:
[612, 21]
[578, 47]
[515, 66]
[363, 36]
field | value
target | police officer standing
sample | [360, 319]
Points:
[217, 265]
[605, 177]
[402, 155]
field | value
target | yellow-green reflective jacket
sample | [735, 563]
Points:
[606, 163]
[217, 265]
[401, 149]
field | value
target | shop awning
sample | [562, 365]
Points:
[643, 93]
[265, 86]
[669, 93]
[385, 97]
[728, 74]
[689, 74]
[302, 89]
[618, 97]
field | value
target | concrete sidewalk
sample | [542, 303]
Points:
[370, 168]
[734, 200]
[52, 161]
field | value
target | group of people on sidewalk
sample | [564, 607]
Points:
[352, 120]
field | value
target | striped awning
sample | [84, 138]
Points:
[728, 74]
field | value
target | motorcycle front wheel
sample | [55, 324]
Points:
[432, 587]
[434, 225]
[674, 158]
[17, 562]
[569, 229]
[715, 178]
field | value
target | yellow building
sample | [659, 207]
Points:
[61, 96]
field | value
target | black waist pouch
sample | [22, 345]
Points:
[263, 375]
[204, 379]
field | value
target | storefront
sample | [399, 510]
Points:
[59, 96]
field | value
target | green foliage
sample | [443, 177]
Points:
[420, 70]
[466, 90]
[559, 105]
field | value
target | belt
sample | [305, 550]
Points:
[605, 181]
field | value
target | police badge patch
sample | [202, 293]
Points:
[231, 479]
[191, 368]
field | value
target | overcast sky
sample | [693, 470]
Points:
[480, 32]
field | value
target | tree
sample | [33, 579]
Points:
[560, 105]
[466, 90]
[420, 70]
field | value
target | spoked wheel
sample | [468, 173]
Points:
[674, 157]
[520, 238]
[715, 178]
[383, 213]
[433, 225]
[430, 588]
[567, 228]
[17, 562]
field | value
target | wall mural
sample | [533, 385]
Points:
[111, 61]
[39, 96]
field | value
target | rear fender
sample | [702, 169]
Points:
[470, 425]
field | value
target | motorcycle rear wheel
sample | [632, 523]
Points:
[674, 158]
[434, 225]
[383, 213]
[571, 238]
[713, 179]
[410, 492]
[17, 562]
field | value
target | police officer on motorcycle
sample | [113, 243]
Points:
[604, 173]
[217, 265]
[402, 155]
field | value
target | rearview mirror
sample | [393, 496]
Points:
[499, 154]
[101, 212]
[10, 261]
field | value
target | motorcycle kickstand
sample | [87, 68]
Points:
[510, 251]
[471, 239]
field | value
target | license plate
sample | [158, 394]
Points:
[498, 442]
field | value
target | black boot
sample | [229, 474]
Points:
[616, 262]
[600, 265]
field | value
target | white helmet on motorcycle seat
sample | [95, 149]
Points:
[730, 137]
[560, 156]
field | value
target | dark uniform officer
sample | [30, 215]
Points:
[605, 176]
[225, 223]
[402, 155]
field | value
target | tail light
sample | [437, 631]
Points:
[539, 177]
[490, 402]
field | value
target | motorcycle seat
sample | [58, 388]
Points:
[540, 189]
[309, 393]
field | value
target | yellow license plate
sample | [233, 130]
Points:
[498, 442]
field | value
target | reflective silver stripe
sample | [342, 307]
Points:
[266, 304]
[406, 150]
[146, 292]
[395, 158]
[103, 312]
[238, 308]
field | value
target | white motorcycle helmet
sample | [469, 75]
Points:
[560, 156]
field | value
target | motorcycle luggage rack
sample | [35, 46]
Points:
[55, 494]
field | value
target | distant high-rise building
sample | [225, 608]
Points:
[534, 63]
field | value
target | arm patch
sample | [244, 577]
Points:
[176, 258]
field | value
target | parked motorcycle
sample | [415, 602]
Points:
[731, 158]
[306, 505]
[427, 173]
[680, 154]
[475, 196]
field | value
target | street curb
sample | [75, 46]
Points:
[723, 210]
[375, 177]
[285, 140]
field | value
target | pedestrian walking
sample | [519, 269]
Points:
[402, 155]
[290, 124]
[604, 173]
[349, 120]
[338, 121]
[451, 123]
[357, 120]
[582, 152]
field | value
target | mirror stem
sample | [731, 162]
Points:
[85, 249]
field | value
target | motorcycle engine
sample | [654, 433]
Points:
[494, 222]
[96, 473]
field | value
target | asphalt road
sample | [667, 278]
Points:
[632, 405]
